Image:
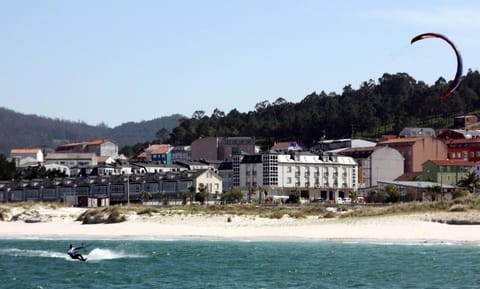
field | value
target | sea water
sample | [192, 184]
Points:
[226, 264]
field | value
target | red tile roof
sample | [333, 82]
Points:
[93, 142]
[24, 151]
[158, 149]
[102, 159]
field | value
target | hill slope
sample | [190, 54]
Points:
[19, 130]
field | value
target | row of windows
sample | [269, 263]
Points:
[464, 145]
[317, 183]
[316, 169]
[464, 155]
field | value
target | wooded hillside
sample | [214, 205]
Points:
[19, 130]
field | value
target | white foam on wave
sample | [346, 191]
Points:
[33, 253]
[107, 254]
[96, 254]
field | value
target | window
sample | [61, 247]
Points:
[289, 180]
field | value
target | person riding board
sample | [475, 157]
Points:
[74, 255]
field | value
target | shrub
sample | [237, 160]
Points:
[147, 211]
[458, 208]
[276, 215]
[115, 217]
[99, 216]
[297, 215]
[329, 215]
[4, 213]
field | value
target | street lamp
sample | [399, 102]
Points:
[128, 191]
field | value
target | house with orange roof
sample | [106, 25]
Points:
[447, 171]
[160, 153]
[417, 150]
[33, 154]
[101, 147]
[105, 160]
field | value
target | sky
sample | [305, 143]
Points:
[116, 61]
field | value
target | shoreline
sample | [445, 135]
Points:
[418, 228]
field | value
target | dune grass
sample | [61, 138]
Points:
[107, 215]
[118, 213]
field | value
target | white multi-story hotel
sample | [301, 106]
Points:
[313, 176]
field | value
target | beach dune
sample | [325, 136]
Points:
[410, 228]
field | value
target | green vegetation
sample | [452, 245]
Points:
[113, 214]
[116, 214]
[7, 168]
[26, 131]
[376, 108]
[379, 107]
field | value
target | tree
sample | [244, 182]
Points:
[217, 113]
[262, 105]
[198, 114]
[163, 135]
[202, 194]
[376, 196]
[411, 195]
[470, 181]
[434, 192]
[146, 196]
[393, 193]
[279, 101]
[191, 189]
[233, 196]
[7, 168]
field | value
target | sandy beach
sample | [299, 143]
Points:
[411, 228]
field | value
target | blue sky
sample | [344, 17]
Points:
[120, 61]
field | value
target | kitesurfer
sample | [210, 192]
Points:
[72, 252]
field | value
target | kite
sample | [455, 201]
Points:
[458, 76]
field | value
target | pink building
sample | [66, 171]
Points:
[417, 150]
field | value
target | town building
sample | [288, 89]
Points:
[464, 149]
[210, 180]
[181, 154]
[417, 150]
[160, 153]
[448, 134]
[101, 147]
[465, 121]
[221, 148]
[285, 147]
[310, 175]
[25, 157]
[168, 186]
[376, 163]
[225, 171]
[337, 145]
[420, 188]
[447, 171]
[78, 163]
[417, 132]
